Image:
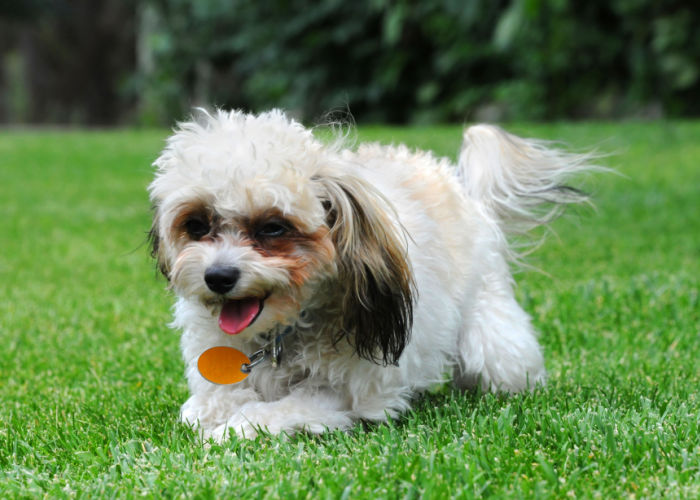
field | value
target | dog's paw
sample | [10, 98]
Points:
[190, 412]
[250, 420]
[210, 409]
[223, 432]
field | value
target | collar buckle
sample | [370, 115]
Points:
[273, 351]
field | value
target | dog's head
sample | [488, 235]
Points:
[255, 220]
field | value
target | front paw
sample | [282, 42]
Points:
[234, 427]
[249, 421]
[190, 412]
[197, 412]
[210, 409]
[208, 428]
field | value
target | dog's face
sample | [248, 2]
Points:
[254, 222]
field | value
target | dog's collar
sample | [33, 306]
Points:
[272, 351]
[224, 365]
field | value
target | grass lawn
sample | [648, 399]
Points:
[91, 379]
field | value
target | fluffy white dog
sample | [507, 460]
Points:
[338, 284]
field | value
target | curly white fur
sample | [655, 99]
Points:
[398, 260]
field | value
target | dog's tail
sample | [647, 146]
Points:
[520, 182]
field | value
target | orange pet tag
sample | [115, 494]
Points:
[222, 365]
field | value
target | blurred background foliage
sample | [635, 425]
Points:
[419, 61]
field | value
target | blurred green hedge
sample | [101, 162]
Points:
[413, 60]
[416, 61]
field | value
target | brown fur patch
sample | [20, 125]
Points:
[301, 254]
[194, 209]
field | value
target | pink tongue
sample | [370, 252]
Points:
[237, 315]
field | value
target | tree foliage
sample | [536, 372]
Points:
[409, 60]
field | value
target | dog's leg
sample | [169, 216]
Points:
[309, 410]
[498, 346]
[208, 409]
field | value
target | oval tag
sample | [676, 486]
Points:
[222, 365]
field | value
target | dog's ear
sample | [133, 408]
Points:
[155, 246]
[373, 268]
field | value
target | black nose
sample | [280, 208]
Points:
[221, 279]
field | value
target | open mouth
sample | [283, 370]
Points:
[237, 315]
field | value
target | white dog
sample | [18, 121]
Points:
[347, 281]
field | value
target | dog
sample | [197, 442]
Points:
[319, 285]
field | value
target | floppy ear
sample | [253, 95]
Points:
[373, 268]
[154, 244]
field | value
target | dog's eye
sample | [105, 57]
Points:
[197, 228]
[272, 230]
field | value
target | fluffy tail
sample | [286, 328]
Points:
[521, 182]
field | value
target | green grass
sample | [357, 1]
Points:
[91, 379]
